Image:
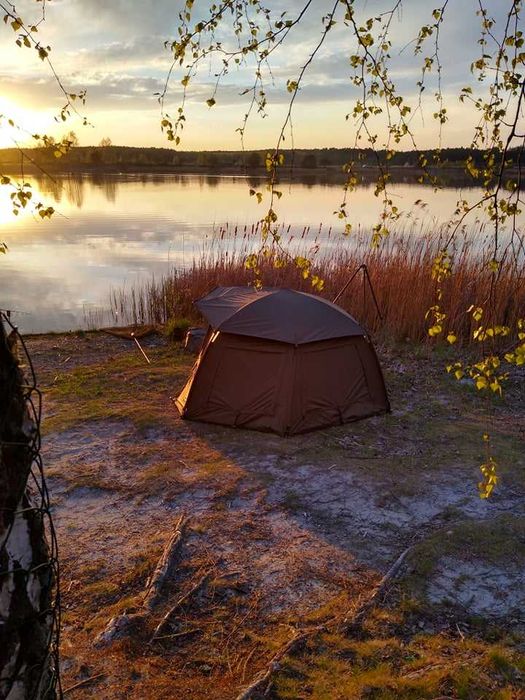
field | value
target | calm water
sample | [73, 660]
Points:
[117, 230]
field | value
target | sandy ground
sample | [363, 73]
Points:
[284, 528]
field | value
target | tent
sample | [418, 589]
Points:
[282, 361]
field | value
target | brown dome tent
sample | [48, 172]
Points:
[281, 361]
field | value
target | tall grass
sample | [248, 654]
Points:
[400, 273]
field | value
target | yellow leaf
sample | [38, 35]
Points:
[481, 383]
[477, 313]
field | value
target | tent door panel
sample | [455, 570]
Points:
[330, 382]
[245, 389]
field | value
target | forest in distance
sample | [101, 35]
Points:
[329, 161]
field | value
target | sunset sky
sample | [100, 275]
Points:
[115, 50]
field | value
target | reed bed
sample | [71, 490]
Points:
[399, 271]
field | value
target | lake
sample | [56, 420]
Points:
[111, 231]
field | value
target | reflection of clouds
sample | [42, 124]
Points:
[154, 223]
[169, 206]
[44, 302]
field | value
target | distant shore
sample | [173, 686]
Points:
[450, 175]
[317, 165]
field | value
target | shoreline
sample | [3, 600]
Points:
[450, 175]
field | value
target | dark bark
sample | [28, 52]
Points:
[26, 574]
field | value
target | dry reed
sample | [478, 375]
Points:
[400, 273]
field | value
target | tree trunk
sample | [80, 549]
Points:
[27, 667]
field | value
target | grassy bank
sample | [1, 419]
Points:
[400, 276]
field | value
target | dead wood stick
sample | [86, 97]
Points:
[362, 611]
[181, 634]
[86, 681]
[164, 567]
[121, 625]
[260, 686]
[244, 663]
[163, 624]
[261, 683]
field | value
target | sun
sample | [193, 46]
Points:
[18, 124]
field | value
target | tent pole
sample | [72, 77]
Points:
[367, 276]
[343, 290]
[365, 272]
[140, 348]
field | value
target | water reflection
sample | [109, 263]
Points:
[112, 230]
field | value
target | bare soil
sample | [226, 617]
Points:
[291, 531]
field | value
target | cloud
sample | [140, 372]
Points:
[115, 49]
[141, 53]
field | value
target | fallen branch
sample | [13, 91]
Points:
[164, 567]
[166, 620]
[177, 635]
[80, 684]
[128, 332]
[122, 625]
[358, 617]
[260, 686]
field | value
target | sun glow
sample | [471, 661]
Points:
[25, 123]
[7, 216]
